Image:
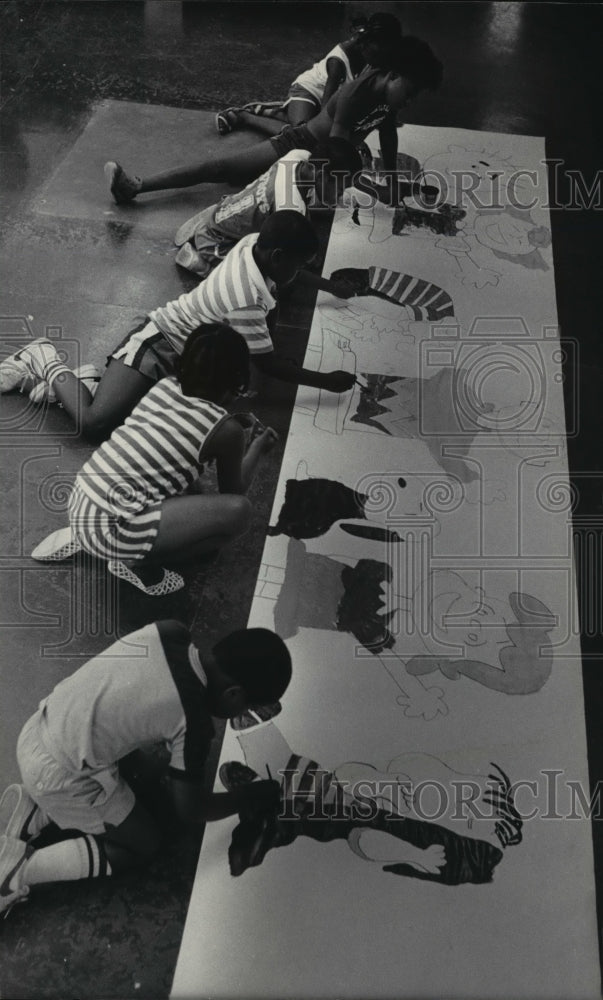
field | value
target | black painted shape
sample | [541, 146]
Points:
[443, 221]
[360, 610]
[312, 506]
[369, 404]
[373, 534]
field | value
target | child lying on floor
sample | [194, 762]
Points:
[297, 181]
[240, 292]
[370, 44]
[370, 102]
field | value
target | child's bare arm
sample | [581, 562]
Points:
[194, 805]
[388, 138]
[335, 77]
[341, 289]
[236, 455]
[284, 369]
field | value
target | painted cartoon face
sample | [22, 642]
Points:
[469, 619]
[504, 233]
[480, 171]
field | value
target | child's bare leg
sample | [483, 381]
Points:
[268, 125]
[299, 112]
[245, 166]
[193, 525]
[133, 842]
[190, 527]
[118, 392]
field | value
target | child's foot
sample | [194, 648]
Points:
[227, 121]
[28, 366]
[168, 583]
[59, 545]
[90, 375]
[13, 855]
[122, 186]
[20, 817]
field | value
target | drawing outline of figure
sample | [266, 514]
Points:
[336, 593]
[501, 642]
[506, 231]
[375, 812]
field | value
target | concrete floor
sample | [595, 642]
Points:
[84, 273]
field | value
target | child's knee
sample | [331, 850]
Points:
[239, 514]
[135, 853]
[96, 427]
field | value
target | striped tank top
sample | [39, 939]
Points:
[154, 454]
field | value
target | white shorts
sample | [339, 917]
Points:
[85, 800]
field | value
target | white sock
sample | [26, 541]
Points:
[54, 368]
[67, 861]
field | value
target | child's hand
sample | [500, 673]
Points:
[252, 427]
[339, 381]
[267, 439]
[260, 795]
[341, 289]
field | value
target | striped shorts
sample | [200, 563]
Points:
[112, 535]
[147, 351]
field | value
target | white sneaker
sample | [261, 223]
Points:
[90, 375]
[29, 363]
[15, 374]
[13, 855]
[20, 817]
[59, 545]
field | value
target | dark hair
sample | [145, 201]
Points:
[338, 156]
[215, 360]
[288, 231]
[413, 58]
[258, 660]
[378, 27]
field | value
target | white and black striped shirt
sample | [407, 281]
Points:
[154, 454]
[236, 293]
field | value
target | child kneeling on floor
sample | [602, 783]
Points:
[127, 505]
[152, 686]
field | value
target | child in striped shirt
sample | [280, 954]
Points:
[152, 686]
[240, 292]
[130, 505]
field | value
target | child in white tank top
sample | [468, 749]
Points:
[310, 91]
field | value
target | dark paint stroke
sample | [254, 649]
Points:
[312, 506]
